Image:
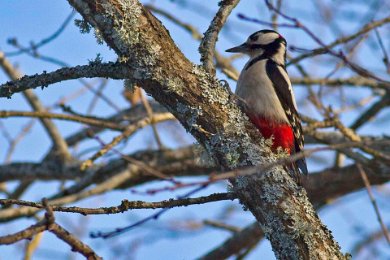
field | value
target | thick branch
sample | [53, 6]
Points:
[76, 244]
[246, 238]
[27, 233]
[207, 46]
[104, 70]
[205, 109]
[322, 187]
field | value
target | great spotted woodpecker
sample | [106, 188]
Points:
[266, 89]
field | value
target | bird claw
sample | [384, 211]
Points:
[240, 102]
[225, 84]
[233, 97]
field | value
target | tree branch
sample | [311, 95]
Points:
[353, 81]
[48, 223]
[73, 118]
[104, 70]
[365, 29]
[126, 205]
[246, 238]
[58, 141]
[204, 108]
[207, 45]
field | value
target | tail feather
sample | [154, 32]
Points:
[301, 163]
[297, 170]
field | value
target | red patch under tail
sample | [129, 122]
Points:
[282, 133]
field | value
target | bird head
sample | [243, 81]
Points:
[264, 42]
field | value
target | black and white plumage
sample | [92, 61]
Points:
[265, 87]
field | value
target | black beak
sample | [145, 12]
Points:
[240, 48]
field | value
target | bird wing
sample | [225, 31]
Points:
[281, 83]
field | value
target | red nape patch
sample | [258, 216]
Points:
[282, 132]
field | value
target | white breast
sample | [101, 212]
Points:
[257, 90]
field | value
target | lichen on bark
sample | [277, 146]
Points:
[204, 107]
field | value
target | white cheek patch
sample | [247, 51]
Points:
[267, 38]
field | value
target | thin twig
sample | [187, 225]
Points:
[97, 95]
[125, 117]
[373, 202]
[149, 170]
[126, 205]
[80, 119]
[222, 226]
[18, 138]
[352, 81]
[131, 129]
[270, 24]
[322, 50]
[149, 110]
[156, 215]
[33, 48]
[382, 46]
[358, 69]
[225, 64]
[188, 27]
[55, 135]
[61, 198]
[366, 241]
[274, 17]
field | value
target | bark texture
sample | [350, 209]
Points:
[205, 108]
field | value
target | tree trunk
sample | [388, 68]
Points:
[205, 108]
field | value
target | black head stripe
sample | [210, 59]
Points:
[271, 48]
[269, 51]
[253, 61]
[282, 40]
[257, 46]
[254, 37]
[267, 31]
[264, 32]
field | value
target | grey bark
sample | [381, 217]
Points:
[206, 110]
